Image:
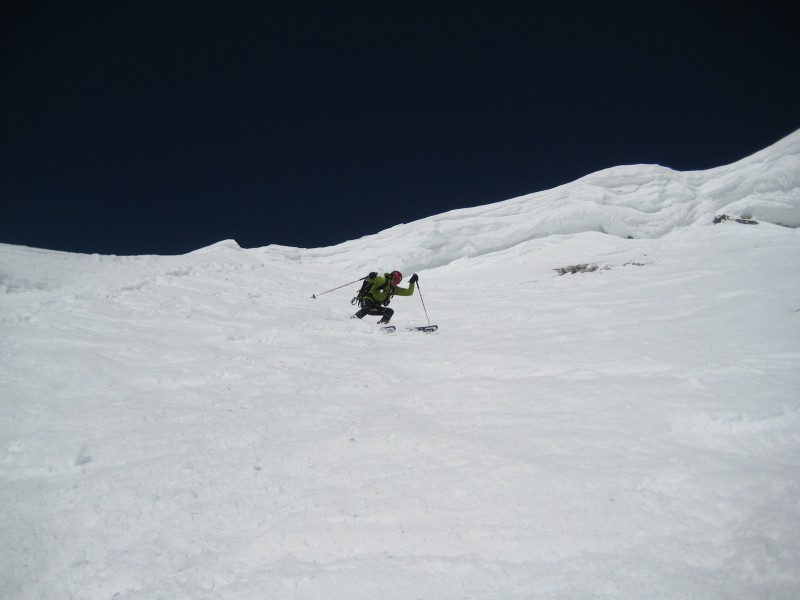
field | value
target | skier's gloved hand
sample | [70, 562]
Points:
[372, 275]
[414, 278]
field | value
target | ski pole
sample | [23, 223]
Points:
[337, 288]
[423, 304]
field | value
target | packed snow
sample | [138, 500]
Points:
[609, 409]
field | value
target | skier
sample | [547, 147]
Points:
[377, 291]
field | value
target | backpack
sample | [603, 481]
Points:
[385, 288]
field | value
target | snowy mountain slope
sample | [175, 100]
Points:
[198, 427]
[642, 201]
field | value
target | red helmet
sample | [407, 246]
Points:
[395, 277]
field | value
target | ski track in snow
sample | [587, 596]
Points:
[198, 427]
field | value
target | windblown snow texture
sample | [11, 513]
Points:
[597, 416]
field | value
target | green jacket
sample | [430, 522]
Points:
[381, 290]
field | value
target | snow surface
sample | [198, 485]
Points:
[199, 427]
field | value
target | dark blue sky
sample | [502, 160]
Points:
[163, 127]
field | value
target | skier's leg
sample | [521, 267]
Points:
[387, 315]
[366, 307]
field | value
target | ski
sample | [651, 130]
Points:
[424, 328]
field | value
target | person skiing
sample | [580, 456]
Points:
[377, 291]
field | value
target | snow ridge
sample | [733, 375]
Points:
[638, 201]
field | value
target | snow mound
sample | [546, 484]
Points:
[637, 201]
[223, 245]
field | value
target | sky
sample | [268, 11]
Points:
[163, 127]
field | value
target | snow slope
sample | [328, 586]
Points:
[642, 201]
[198, 427]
